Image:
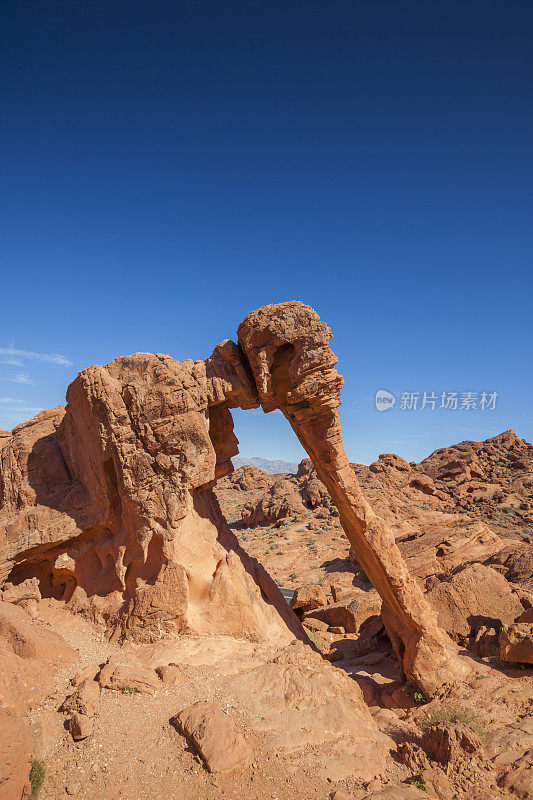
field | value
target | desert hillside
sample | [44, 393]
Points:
[172, 627]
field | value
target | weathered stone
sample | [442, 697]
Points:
[170, 674]
[474, 597]
[448, 742]
[287, 347]
[219, 743]
[129, 677]
[85, 699]
[80, 726]
[516, 643]
[15, 757]
[306, 598]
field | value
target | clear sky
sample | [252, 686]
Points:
[169, 166]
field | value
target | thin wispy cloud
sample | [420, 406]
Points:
[50, 358]
[22, 377]
[10, 400]
[13, 362]
[21, 409]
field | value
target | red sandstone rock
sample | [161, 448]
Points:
[29, 656]
[170, 674]
[447, 742]
[516, 643]
[474, 597]
[128, 677]
[294, 370]
[108, 502]
[80, 726]
[248, 478]
[219, 743]
[15, 758]
[85, 699]
[282, 500]
[306, 598]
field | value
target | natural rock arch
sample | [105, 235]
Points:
[109, 501]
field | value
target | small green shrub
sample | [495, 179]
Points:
[419, 782]
[129, 690]
[37, 773]
[412, 691]
[317, 641]
[451, 713]
[293, 576]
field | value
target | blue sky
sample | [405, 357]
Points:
[167, 167]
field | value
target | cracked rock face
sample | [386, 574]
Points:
[108, 501]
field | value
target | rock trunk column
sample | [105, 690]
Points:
[421, 646]
[293, 366]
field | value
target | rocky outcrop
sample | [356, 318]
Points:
[132, 677]
[280, 501]
[109, 504]
[248, 478]
[288, 497]
[30, 657]
[474, 597]
[287, 347]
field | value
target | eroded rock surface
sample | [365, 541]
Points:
[108, 502]
[111, 535]
[287, 347]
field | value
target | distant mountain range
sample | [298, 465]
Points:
[265, 464]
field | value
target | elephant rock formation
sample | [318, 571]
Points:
[108, 501]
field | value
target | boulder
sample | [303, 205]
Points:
[85, 699]
[24, 592]
[128, 677]
[85, 673]
[361, 615]
[388, 461]
[315, 624]
[282, 500]
[249, 478]
[474, 597]
[214, 735]
[300, 701]
[516, 643]
[80, 726]
[170, 674]
[307, 598]
[450, 742]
